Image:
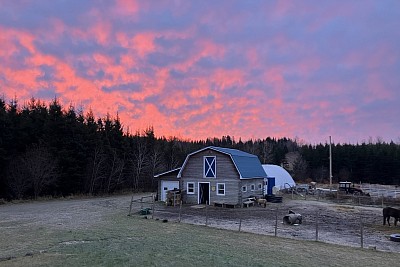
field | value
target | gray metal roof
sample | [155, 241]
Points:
[248, 165]
[167, 172]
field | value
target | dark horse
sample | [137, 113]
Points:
[390, 212]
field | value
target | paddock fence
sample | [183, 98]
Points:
[355, 226]
[381, 199]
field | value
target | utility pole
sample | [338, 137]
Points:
[330, 162]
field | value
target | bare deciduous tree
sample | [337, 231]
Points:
[267, 155]
[155, 161]
[171, 156]
[97, 166]
[300, 168]
[139, 161]
[117, 167]
[41, 167]
[18, 178]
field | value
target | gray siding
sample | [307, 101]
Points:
[256, 192]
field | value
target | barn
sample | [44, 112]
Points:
[216, 175]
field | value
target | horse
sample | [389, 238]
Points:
[390, 212]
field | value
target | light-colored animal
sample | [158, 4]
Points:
[261, 202]
[390, 212]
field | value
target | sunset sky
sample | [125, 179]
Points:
[198, 69]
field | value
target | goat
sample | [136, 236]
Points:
[390, 212]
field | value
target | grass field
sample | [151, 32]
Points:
[106, 236]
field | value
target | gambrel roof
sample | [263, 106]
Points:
[247, 165]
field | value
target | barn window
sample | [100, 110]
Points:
[259, 186]
[210, 167]
[244, 188]
[190, 188]
[252, 187]
[220, 189]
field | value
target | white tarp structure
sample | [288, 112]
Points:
[282, 178]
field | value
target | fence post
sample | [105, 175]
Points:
[180, 211]
[361, 231]
[206, 213]
[240, 221]
[316, 226]
[153, 207]
[276, 221]
[130, 206]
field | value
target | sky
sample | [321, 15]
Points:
[253, 69]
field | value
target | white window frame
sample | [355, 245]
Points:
[260, 186]
[204, 166]
[244, 188]
[252, 187]
[194, 188]
[218, 194]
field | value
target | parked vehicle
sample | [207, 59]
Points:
[349, 188]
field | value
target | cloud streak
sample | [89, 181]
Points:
[198, 69]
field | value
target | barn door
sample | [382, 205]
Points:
[204, 193]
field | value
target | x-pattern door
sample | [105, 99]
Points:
[209, 166]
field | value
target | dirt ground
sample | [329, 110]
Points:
[338, 224]
[343, 224]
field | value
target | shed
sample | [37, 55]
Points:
[167, 181]
[282, 178]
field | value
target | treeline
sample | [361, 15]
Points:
[50, 150]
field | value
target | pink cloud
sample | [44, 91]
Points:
[10, 38]
[127, 7]
[252, 57]
[101, 31]
[144, 43]
[375, 88]
[226, 78]
[203, 48]
[209, 48]
[199, 92]
[122, 39]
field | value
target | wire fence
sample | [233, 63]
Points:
[375, 200]
[351, 224]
